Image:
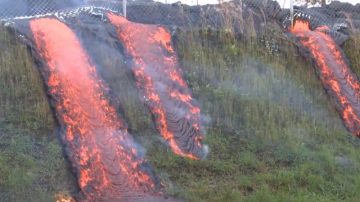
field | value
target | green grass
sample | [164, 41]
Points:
[32, 165]
[352, 51]
[273, 133]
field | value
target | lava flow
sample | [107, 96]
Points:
[158, 76]
[108, 164]
[334, 72]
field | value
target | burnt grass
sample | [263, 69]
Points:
[273, 132]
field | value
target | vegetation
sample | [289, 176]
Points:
[273, 133]
[32, 164]
[352, 51]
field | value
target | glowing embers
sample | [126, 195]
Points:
[106, 159]
[155, 67]
[335, 74]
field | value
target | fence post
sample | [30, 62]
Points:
[124, 7]
[292, 13]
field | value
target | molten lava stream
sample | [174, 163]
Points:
[156, 70]
[335, 74]
[105, 156]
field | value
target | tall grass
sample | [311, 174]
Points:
[274, 134]
[22, 97]
[352, 51]
[272, 130]
[32, 164]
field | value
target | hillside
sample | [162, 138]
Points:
[273, 132]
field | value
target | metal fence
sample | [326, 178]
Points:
[161, 11]
[17, 8]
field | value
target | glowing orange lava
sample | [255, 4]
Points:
[166, 93]
[335, 74]
[108, 165]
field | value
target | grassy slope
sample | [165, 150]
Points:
[273, 135]
[352, 51]
[32, 166]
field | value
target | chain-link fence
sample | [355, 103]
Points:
[239, 81]
[242, 17]
[32, 8]
[165, 10]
